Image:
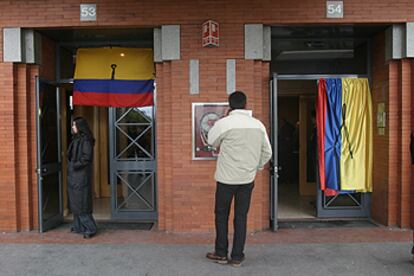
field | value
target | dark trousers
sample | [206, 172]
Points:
[224, 195]
[84, 223]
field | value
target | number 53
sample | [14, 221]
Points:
[88, 11]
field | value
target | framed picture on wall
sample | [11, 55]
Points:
[204, 116]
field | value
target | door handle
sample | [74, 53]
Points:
[44, 170]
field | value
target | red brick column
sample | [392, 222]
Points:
[8, 200]
[393, 151]
[399, 202]
[412, 131]
[405, 131]
[25, 136]
[186, 187]
[392, 84]
[18, 185]
[164, 144]
[379, 90]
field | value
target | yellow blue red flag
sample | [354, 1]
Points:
[116, 77]
[344, 127]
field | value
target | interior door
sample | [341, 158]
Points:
[49, 165]
[274, 160]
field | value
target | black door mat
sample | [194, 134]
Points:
[125, 225]
[325, 224]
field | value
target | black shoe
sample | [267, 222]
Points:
[88, 236]
[73, 230]
[216, 258]
[236, 263]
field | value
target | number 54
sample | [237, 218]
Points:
[334, 8]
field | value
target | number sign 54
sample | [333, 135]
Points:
[334, 9]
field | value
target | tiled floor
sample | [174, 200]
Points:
[101, 209]
[292, 205]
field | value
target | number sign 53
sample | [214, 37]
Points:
[88, 12]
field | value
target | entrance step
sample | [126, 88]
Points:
[312, 224]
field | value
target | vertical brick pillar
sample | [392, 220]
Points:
[405, 111]
[380, 95]
[164, 144]
[25, 148]
[400, 125]
[393, 151]
[8, 202]
[412, 131]
[186, 187]
[33, 71]
[21, 146]
[18, 185]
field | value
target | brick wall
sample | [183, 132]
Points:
[18, 207]
[186, 187]
[380, 86]
[158, 12]
[7, 161]
[400, 126]
[18, 180]
[404, 145]
[412, 165]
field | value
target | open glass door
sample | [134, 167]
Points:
[133, 164]
[49, 166]
[273, 161]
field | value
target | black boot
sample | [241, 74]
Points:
[88, 235]
[73, 230]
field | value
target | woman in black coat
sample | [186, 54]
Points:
[80, 157]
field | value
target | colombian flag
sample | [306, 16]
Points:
[344, 128]
[114, 77]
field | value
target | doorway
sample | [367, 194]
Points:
[97, 118]
[301, 55]
[297, 195]
[296, 150]
[124, 168]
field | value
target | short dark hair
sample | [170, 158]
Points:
[237, 100]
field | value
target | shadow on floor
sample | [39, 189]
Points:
[326, 224]
[114, 226]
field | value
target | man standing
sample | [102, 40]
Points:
[244, 149]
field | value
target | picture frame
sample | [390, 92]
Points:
[204, 115]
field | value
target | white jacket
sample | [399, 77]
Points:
[244, 147]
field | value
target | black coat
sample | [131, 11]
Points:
[80, 157]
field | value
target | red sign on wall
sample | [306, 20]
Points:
[210, 34]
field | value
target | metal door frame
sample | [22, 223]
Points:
[136, 166]
[323, 211]
[58, 219]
